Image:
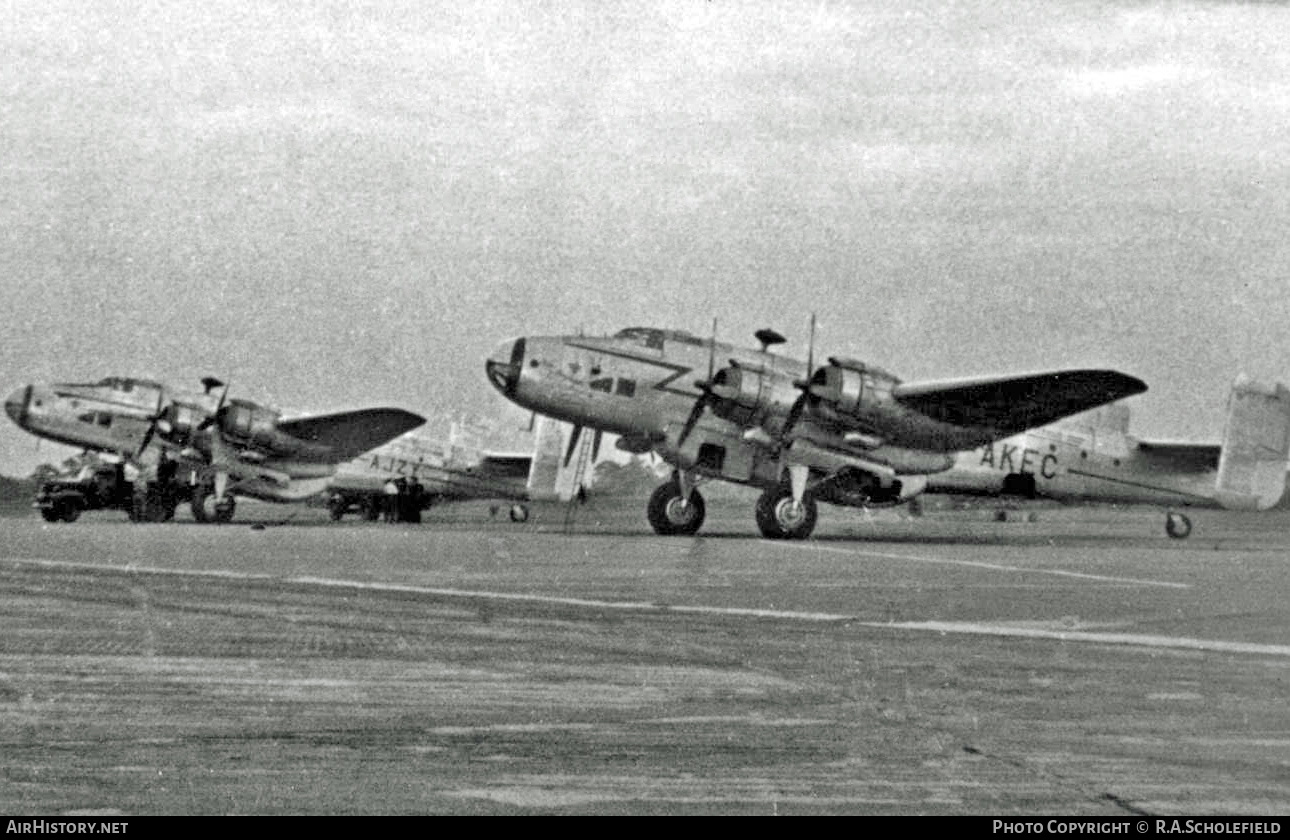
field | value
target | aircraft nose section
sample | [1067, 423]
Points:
[504, 366]
[15, 405]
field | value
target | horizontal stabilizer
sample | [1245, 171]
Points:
[351, 433]
[1011, 404]
[1256, 445]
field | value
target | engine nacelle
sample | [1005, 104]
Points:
[852, 393]
[751, 396]
[254, 426]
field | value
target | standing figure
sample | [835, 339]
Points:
[390, 502]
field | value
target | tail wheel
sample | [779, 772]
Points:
[519, 513]
[669, 514]
[780, 518]
[1177, 526]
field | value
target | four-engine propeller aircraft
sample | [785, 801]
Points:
[222, 446]
[846, 433]
[1092, 457]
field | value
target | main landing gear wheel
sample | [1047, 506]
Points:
[780, 518]
[519, 513]
[66, 510]
[670, 515]
[1177, 525]
[206, 509]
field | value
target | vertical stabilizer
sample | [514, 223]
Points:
[548, 448]
[1256, 445]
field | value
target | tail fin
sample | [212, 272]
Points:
[548, 448]
[1256, 446]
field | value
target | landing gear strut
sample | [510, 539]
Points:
[672, 511]
[1177, 525]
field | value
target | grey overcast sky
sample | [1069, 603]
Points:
[337, 204]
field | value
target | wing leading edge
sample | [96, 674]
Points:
[351, 433]
[1011, 404]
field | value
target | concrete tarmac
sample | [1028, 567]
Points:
[1079, 664]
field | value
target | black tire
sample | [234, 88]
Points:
[670, 516]
[217, 513]
[63, 510]
[1177, 526]
[198, 504]
[336, 507]
[777, 520]
[224, 510]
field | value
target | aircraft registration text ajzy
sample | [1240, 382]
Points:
[852, 434]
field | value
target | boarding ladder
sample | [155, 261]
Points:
[579, 472]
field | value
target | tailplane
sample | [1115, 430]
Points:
[1256, 446]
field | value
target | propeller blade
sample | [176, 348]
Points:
[695, 413]
[152, 428]
[595, 445]
[794, 414]
[209, 421]
[810, 351]
[573, 444]
[712, 351]
[705, 386]
[799, 404]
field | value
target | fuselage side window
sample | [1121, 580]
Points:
[605, 384]
[626, 388]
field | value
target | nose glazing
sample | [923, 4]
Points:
[504, 366]
[15, 405]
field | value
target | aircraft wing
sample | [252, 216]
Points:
[351, 433]
[1197, 457]
[1010, 404]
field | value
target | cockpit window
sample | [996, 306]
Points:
[647, 336]
[653, 337]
